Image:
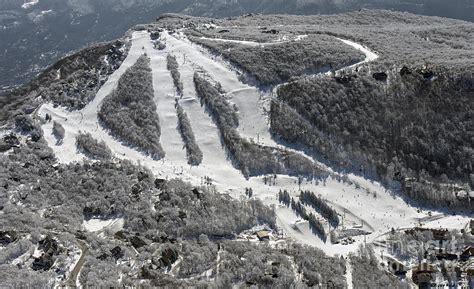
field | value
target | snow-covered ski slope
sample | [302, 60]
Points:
[369, 207]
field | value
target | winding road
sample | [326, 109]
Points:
[72, 280]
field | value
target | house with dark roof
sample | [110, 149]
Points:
[467, 254]
[423, 275]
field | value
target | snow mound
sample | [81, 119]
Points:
[97, 225]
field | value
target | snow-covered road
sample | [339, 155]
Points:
[257, 44]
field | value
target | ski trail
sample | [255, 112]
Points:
[244, 96]
[139, 39]
[165, 94]
[205, 131]
[87, 120]
[253, 123]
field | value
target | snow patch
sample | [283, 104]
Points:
[97, 225]
[29, 4]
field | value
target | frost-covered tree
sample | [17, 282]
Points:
[93, 148]
[58, 132]
[193, 152]
[173, 67]
[309, 198]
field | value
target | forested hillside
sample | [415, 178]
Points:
[273, 63]
[403, 38]
[411, 127]
[404, 118]
[71, 82]
[130, 112]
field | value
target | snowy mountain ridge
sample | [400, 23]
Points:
[304, 219]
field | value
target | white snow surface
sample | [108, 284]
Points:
[257, 44]
[29, 4]
[369, 55]
[96, 225]
[377, 214]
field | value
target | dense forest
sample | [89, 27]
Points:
[416, 125]
[272, 64]
[129, 112]
[58, 132]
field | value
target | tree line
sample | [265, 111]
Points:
[298, 207]
[129, 112]
[317, 203]
[193, 152]
[172, 66]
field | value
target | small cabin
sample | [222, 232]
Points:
[380, 76]
[263, 235]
